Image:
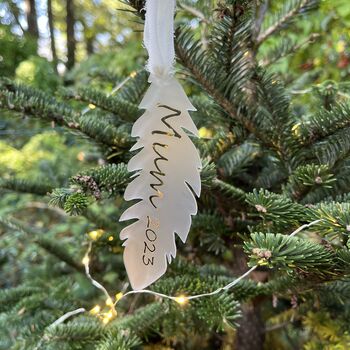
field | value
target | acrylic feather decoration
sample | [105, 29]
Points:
[167, 166]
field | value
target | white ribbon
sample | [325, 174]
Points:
[159, 37]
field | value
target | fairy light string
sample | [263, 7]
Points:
[180, 299]
[112, 313]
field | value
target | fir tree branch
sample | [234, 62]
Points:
[59, 251]
[275, 208]
[281, 21]
[111, 179]
[25, 186]
[34, 102]
[229, 190]
[44, 206]
[261, 16]
[191, 59]
[52, 247]
[11, 296]
[84, 332]
[38, 104]
[307, 178]
[120, 107]
[277, 250]
[101, 220]
[323, 123]
[238, 158]
[288, 49]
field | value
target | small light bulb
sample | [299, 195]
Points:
[118, 296]
[109, 302]
[95, 310]
[105, 320]
[181, 299]
[205, 133]
[96, 234]
[81, 156]
[110, 238]
[86, 260]
[93, 235]
[109, 316]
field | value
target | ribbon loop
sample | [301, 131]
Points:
[159, 36]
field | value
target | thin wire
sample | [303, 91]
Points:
[304, 226]
[59, 321]
[226, 287]
[147, 291]
[123, 82]
[191, 297]
[67, 315]
[233, 283]
[98, 285]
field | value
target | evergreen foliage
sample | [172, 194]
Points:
[271, 164]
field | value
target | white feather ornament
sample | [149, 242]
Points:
[167, 166]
